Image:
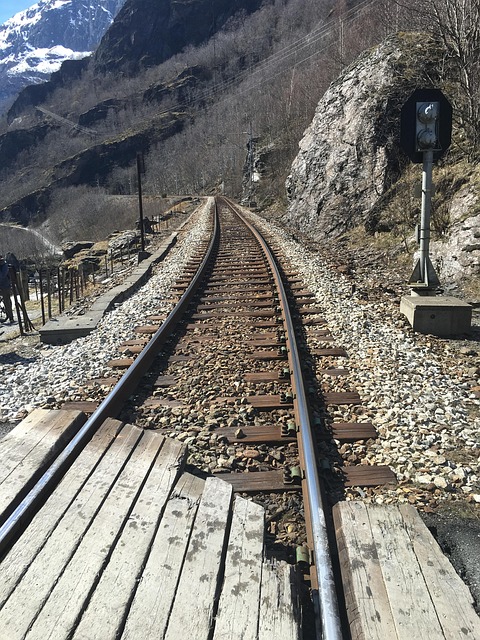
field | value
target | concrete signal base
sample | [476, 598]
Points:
[437, 315]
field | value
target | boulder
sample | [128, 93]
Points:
[349, 155]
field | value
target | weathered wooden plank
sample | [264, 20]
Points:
[264, 343]
[151, 606]
[28, 568]
[366, 599]
[279, 613]
[131, 350]
[192, 612]
[59, 614]
[311, 310]
[266, 376]
[181, 358]
[329, 351]
[342, 398]
[249, 434]
[246, 296]
[120, 363]
[233, 314]
[364, 475]
[253, 482]
[268, 402]
[27, 450]
[350, 431]
[133, 343]
[147, 329]
[86, 406]
[413, 612]
[108, 606]
[266, 355]
[238, 610]
[232, 305]
[451, 597]
[234, 290]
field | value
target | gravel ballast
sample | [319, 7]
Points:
[414, 389]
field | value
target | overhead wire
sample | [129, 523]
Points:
[294, 49]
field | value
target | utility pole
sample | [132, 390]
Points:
[140, 170]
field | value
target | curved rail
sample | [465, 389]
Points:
[327, 597]
[109, 407]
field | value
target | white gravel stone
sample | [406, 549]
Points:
[421, 407]
[59, 372]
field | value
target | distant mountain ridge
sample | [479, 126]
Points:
[35, 42]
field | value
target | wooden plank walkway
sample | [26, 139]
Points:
[398, 584]
[28, 449]
[130, 546]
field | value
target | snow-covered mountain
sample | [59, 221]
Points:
[35, 42]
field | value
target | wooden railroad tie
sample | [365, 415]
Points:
[149, 328]
[348, 431]
[120, 363]
[255, 434]
[262, 402]
[342, 398]
[329, 351]
[267, 376]
[257, 481]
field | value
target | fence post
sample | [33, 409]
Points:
[42, 302]
[49, 292]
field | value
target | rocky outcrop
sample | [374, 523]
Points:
[178, 89]
[349, 156]
[36, 94]
[12, 143]
[456, 255]
[148, 32]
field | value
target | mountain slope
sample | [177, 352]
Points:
[35, 42]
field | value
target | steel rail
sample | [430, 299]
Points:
[109, 407]
[327, 603]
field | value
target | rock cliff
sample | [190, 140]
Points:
[349, 155]
[349, 167]
[148, 32]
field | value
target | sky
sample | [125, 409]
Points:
[9, 8]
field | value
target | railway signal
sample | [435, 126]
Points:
[425, 135]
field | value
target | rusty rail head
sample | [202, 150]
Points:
[109, 407]
[326, 597]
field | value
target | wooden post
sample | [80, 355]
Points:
[49, 292]
[42, 303]
[140, 170]
[63, 289]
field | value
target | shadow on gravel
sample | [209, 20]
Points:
[14, 358]
[457, 531]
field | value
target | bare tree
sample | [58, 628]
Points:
[457, 24]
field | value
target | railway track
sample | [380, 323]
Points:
[239, 371]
